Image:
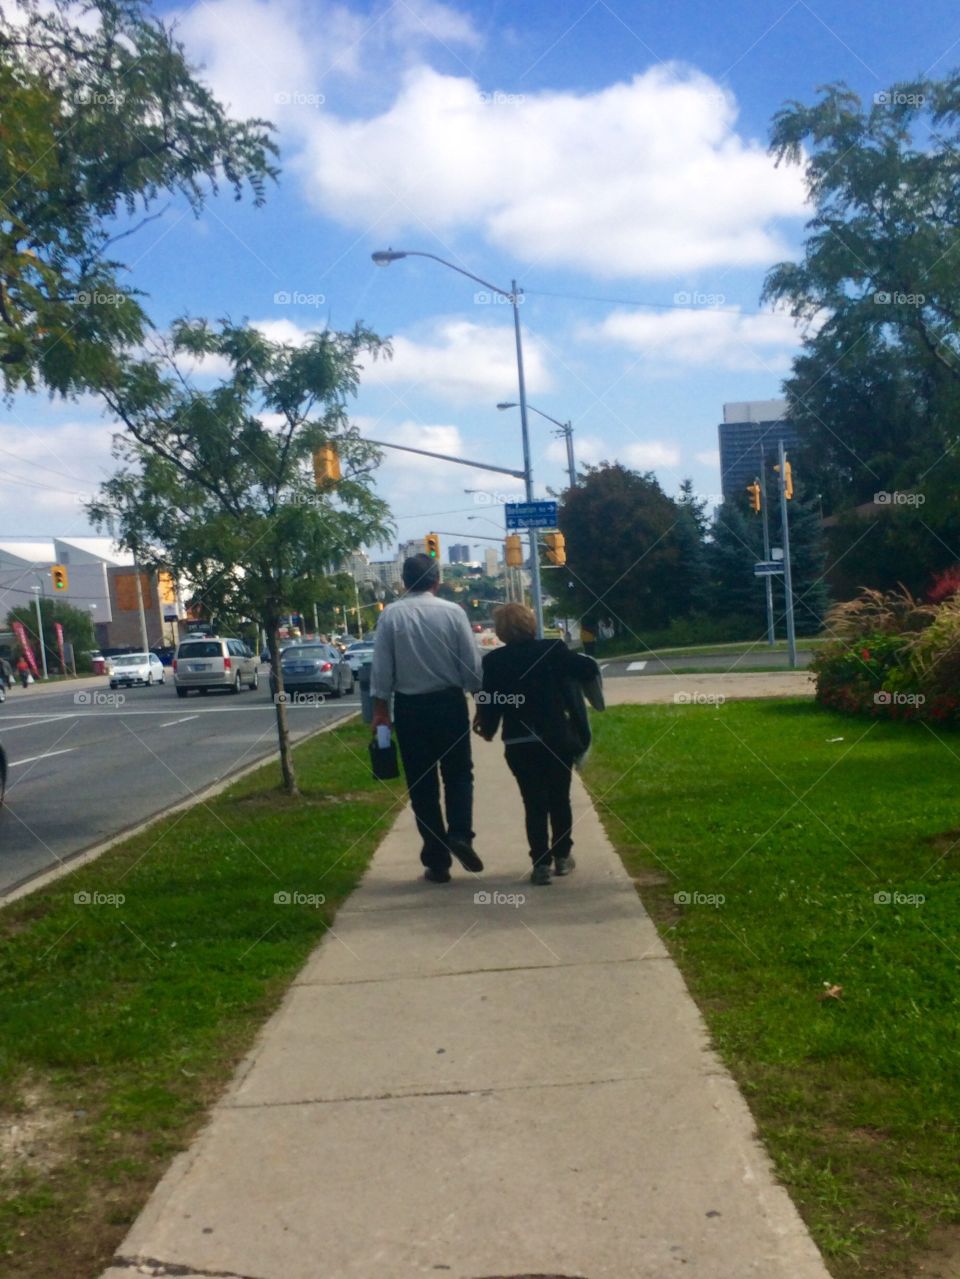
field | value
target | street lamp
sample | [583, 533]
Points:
[383, 257]
[566, 431]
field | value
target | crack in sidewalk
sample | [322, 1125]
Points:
[161, 1268]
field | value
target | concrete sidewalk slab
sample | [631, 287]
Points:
[482, 1089]
[624, 690]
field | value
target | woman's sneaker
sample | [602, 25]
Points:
[563, 865]
[541, 874]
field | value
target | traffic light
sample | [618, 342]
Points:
[754, 491]
[379, 606]
[787, 479]
[433, 545]
[513, 551]
[60, 579]
[474, 603]
[556, 548]
[326, 465]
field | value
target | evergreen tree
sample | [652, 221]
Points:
[734, 591]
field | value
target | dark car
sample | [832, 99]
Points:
[3, 773]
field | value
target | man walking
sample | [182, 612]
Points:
[425, 655]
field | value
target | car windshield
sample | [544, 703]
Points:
[309, 651]
[131, 659]
[359, 648]
[201, 648]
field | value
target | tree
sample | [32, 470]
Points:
[219, 485]
[736, 545]
[76, 623]
[101, 120]
[622, 549]
[691, 578]
[876, 391]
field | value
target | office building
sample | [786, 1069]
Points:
[459, 554]
[750, 430]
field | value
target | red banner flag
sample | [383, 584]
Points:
[63, 661]
[24, 643]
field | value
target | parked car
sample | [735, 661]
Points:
[214, 662]
[357, 653]
[314, 668]
[3, 774]
[128, 669]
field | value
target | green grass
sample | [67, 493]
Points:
[760, 804]
[120, 1023]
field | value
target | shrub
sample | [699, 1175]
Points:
[878, 613]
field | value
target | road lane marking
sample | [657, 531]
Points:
[637, 666]
[170, 723]
[49, 755]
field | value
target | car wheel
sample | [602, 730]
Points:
[3, 775]
[149, 679]
[256, 681]
[3, 694]
[182, 692]
[237, 684]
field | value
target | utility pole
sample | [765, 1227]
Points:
[316, 619]
[768, 580]
[144, 641]
[787, 570]
[43, 647]
[356, 598]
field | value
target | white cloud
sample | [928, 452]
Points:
[709, 457]
[703, 337]
[647, 177]
[55, 470]
[405, 478]
[462, 361]
[289, 62]
[647, 455]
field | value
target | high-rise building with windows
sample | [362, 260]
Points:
[751, 430]
[459, 554]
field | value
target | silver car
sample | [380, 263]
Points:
[357, 653]
[214, 662]
[315, 668]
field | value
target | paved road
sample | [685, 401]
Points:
[672, 663]
[83, 769]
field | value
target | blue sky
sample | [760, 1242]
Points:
[605, 155]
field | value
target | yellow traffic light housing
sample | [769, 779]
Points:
[326, 465]
[433, 545]
[59, 575]
[556, 548]
[787, 479]
[513, 551]
[754, 491]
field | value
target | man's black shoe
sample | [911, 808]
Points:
[436, 875]
[462, 849]
[564, 865]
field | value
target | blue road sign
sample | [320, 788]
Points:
[767, 568]
[531, 514]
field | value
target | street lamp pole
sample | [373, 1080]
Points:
[43, 647]
[383, 258]
[565, 429]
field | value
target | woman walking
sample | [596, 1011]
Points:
[533, 687]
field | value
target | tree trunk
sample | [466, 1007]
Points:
[280, 706]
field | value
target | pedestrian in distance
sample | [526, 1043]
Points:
[23, 670]
[426, 659]
[534, 688]
[588, 637]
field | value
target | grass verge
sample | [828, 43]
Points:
[783, 850]
[130, 989]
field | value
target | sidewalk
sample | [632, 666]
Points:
[479, 1087]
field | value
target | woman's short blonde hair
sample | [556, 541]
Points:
[514, 622]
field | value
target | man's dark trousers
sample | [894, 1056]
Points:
[433, 732]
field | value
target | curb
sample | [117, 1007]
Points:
[83, 856]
